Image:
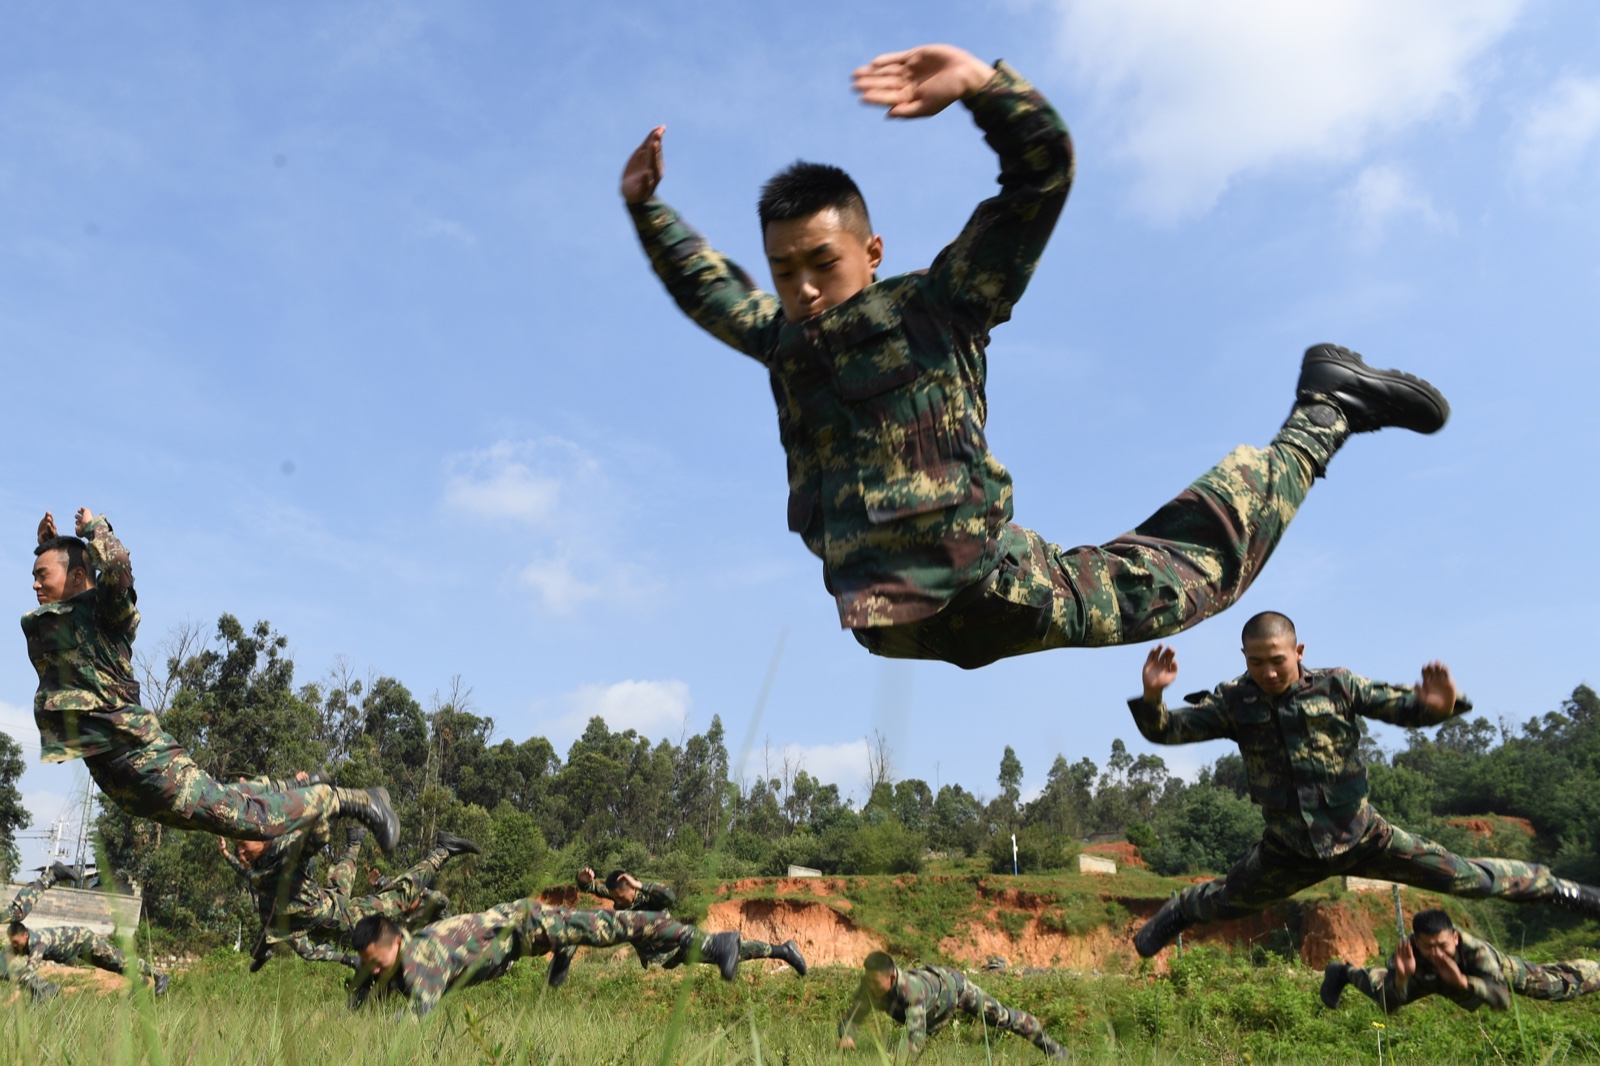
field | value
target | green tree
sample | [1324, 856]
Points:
[13, 815]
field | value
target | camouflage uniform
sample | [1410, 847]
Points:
[1491, 978]
[655, 896]
[65, 944]
[87, 707]
[926, 998]
[1304, 768]
[473, 948]
[290, 900]
[881, 411]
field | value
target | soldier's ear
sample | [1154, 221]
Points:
[875, 250]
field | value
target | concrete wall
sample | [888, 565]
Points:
[1095, 864]
[97, 910]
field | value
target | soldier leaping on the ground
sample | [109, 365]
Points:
[80, 639]
[65, 944]
[880, 390]
[1297, 731]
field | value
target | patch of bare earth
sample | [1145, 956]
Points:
[825, 937]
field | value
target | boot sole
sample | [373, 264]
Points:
[1332, 989]
[1422, 393]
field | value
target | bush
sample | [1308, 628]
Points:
[885, 848]
[1038, 851]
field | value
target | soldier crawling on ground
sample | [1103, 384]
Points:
[627, 892]
[880, 390]
[1297, 731]
[1439, 959]
[80, 640]
[65, 944]
[297, 909]
[473, 948]
[926, 998]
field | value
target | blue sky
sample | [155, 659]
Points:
[334, 310]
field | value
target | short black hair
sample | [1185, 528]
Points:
[614, 878]
[15, 928]
[1267, 625]
[879, 962]
[1429, 922]
[77, 552]
[802, 189]
[373, 929]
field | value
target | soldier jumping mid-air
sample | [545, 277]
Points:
[1438, 959]
[65, 944]
[80, 639]
[628, 893]
[473, 948]
[1297, 731]
[929, 996]
[880, 391]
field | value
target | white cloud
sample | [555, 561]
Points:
[447, 229]
[18, 723]
[1382, 195]
[656, 709]
[844, 764]
[564, 499]
[1206, 90]
[1557, 132]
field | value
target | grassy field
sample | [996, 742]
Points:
[1211, 1007]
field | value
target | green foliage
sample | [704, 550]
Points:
[885, 848]
[1204, 830]
[1038, 851]
[13, 815]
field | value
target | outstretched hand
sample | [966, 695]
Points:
[1405, 964]
[642, 173]
[1436, 692]
[921, 81]
[1160, 670]
[1450, 973]
[47, 527]
[81, 520]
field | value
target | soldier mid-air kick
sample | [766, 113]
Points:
[473, 948]
[628, 893]
[926, 998]
[80, 639]
[881, 404]
[64, 944]
[1297, 731]
[1437, 959]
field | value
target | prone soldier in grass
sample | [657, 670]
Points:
[926, 998]
[627, 892]
[80, 640]
[880, 392]
[1439, 959]
[1297, 731]
[472, 948]
[65, 944]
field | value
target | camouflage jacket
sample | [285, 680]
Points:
[466, 950]
[82, 648]
[1301, 750]
[27, 897]
[282, 881]
[881, 402]
[1489, 977]
[922, 1000]
[652, 896]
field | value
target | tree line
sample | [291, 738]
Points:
[670, 809]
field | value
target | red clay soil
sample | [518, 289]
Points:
[1484, 828]
[784, 886]
[1123, 853]
[826, 937]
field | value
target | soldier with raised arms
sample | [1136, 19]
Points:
[80, 640]
[881, 402]
[1297, 731]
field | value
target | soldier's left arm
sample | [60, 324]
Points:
[115, 598]
[655, 896]
[985, 270]
[1395, 704]
[1484, 968]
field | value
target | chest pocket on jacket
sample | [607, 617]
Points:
[54, 630]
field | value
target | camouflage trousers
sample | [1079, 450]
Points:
[652, 933]
[149, 775]
[1553, 981]
[974, 1001]
[408, 899]
[1190, 560]
[1271, 873]
[312, 951]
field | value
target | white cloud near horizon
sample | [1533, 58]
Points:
[655, 709]
[1383, 195]
[1205, 91]
[1557, 132]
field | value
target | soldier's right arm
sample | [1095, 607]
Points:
[1205, 718]
[115, 598]
[707, 286]
[25, 900]
[860, 1011]
[916, 1019]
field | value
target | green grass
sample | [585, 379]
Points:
[1211, 1008]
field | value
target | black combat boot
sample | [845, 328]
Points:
[63, 874]
[1158, 932]
[455, 845]
[1571, 896]
[560, 963]
[161, 981]
[261, 952]
[789, 952]
[1370, 399]
[722, 951]
[371, 805]
[354, 834]
[1334, 978]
